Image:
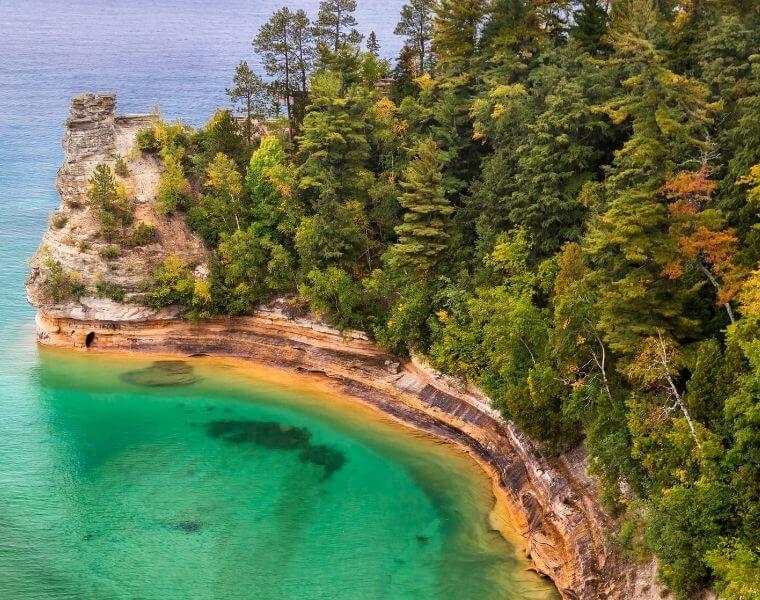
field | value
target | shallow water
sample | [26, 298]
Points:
[120, 478]
[219, 485]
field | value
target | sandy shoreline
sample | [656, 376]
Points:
[320, 387]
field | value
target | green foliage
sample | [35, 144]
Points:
[334, 295]
[416, 25]
[115, 209]
[590, 26]
[373, 46]
[737, 568]
[120, 167]
[285, 44]
[171, 283]
[683, 525]
[422, 235]
[109, 252]
[251, 94]
[105, 289]
[243, 260]
[271, 186]
[456, 28]
[142, 235]
[221, 134]
[58, 286]
[148, 142]
[173, 187]
[335, 26]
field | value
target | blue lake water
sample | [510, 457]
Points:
[224, 487]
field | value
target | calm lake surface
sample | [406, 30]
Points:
[121, 478]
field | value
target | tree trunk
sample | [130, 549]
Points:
[674, 389]
[716, 285]
[248, 117]
[286, 54]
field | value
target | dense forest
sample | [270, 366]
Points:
[555, 200]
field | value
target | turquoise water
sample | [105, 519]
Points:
[223, 486]
[226, 487]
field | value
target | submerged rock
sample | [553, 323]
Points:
[188, 526]
[278, 436]
[162, 373]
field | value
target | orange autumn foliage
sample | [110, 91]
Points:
[699, 231]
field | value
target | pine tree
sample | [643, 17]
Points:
[590, 26]
[304, 54]
[457, 23]
[416, 25]
[373, 46]
[423, 234]
[303, 44]
[630, 243]
[115, 210]
[253, 94]
[336, 25]
[333, 175]
[102, 191]
[275, 43]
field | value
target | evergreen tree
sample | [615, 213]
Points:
[333, 175]
[373, 46]
[336, 25]
[303, 43]
[416, 25]
[115, 210]
[629, 243]
[404, 73]
[548, 142]
[277, 46]
[251, 91]
[456, 27]
[423, 234]
[590, 24]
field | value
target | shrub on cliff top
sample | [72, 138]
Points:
[147, 142]
[173, 189]
[58, 285]
[115, 209]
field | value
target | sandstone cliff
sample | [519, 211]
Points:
[553, 501]
[94, 134]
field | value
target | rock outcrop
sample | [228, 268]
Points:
[553, 501]
[94, 134]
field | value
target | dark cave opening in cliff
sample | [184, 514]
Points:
[89, 339]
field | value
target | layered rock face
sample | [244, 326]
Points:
[94, 134]
[553, 501]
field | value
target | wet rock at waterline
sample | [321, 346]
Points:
[278, 436]
[162, 373]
